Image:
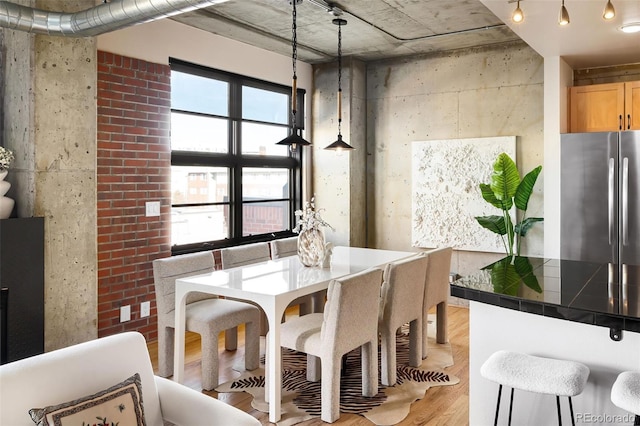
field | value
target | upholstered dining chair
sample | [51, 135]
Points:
[401, 301]
[233, 257]
[205, 315]
[284, 247]
[350, 320]
[436, 293]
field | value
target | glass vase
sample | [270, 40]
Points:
[311, 247]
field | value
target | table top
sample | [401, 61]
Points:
[579, 291]
[287, 275]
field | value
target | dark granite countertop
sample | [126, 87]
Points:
[576, 291]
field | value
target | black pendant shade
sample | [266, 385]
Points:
[294, 139]
[339, 144]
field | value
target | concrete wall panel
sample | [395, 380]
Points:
[479, 92]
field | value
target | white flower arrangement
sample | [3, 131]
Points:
[309, 218]
[6, 158]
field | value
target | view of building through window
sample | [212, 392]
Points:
[229, 179]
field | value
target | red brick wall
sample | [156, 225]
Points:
[134, 160]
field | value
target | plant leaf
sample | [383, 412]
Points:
[504, 277]
[494, 224]
[489, 196]
[523, 227]
[525, 188]
[505, 179]
[525, 271]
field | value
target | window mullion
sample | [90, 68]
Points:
[235, 108]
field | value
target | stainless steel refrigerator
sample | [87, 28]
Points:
[600, 207]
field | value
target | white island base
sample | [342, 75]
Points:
[493, 328]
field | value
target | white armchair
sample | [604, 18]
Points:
[87, 368]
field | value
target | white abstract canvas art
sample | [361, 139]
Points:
[446, 197]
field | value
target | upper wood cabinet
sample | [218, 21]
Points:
[604, 107]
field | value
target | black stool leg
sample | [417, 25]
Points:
[510, 406]
[559, 414]
[495, 423]
[637, 421]
[573, 420]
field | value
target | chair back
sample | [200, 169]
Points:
[167, 270]
[351, 311]
[244, 255]
[77, 371]
[284, 247]
[436, 288]
[403, 290]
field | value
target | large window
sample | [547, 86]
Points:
[230, 182]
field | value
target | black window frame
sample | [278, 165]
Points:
[235, 161]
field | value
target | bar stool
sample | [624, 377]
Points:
[535, 374]
[625, 393]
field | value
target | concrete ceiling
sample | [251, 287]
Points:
[379, 29]
[376, 29]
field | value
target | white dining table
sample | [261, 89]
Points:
[272, 285]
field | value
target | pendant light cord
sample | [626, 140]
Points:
[294, 59]
[339, 76]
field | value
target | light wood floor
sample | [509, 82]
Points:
[442, 405]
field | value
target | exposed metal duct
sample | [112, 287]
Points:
[101, 19]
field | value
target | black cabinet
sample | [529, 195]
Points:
[22, 273]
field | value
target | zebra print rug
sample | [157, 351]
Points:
[301, 399]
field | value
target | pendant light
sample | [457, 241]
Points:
[563, 19]
[339, 144]
[517, 15]
[295, 138]
[609, 12]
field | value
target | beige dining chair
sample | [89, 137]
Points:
[436, 293]
[205, 315]
[350, 320]
[284, 247]
[233, 257]
[401, 301]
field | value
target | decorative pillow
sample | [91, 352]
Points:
[119, 405]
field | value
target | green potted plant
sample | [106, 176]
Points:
[505, 191]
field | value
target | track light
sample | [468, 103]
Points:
[563, 19]
[517, 15]
[609, 11]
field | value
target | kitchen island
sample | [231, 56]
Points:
[555, 308]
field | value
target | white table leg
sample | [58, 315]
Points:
[274, 364]
[178, 342]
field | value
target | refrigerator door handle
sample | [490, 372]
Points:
[610, 198]
[625, 201]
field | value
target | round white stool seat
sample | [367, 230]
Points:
[625, 392]
[536, 374]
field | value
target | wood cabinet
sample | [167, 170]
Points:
[604, 107]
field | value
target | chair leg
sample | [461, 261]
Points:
[415, 343]
[252, 344]
[559, 413]
[495, 422]
[165, 351]
[442, 334]
[330, 390]
[510, 406]
[314, 368]
[369, 355]
[387, 357]
[209, 342]
[573, 420]
[231, 339]
[425, 327]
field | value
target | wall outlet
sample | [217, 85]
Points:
[152, 208]
[145, 309]
[125, 313]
